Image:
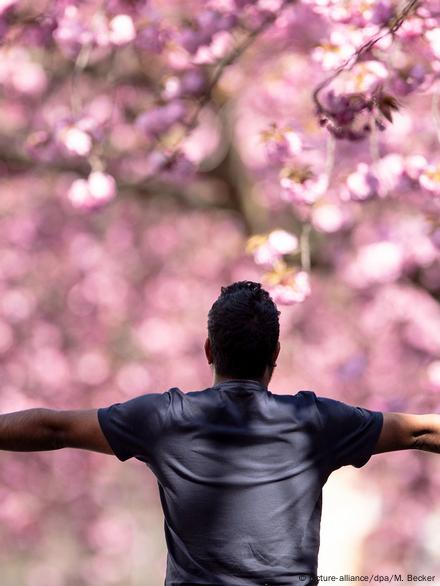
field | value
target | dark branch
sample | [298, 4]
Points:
[349, 63]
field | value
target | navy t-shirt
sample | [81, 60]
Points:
[240, 472]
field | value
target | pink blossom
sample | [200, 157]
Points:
[389, 172]
[331, 54]
[205, 142]
[281, 143]
[19, 72]
[282, 242]
[110, 533]
[155, 162]
[381, 12]
[221, 43]
[155, 335]
[133, 378]
[172, 88]
[178, 168]
[430, 179]
[412, 234]
[408, 79]
[191, 40]
[6, 337]
[153, 37]
[92, 368]
[41, 146]
[270, 5]
[207, 21]
[433, 373]
[29, 78]
[160, 119]
[433, 37]
[366, 76]
[6, 5]
[268, 249]
[193, 83]
[295, 292]
[76, 141]
[99, 26]
[50, 367]
[44, 573]
[265, 255]
[71, 34]
[327, 217]
[19, 509]
[301, 186]
[379, 262]
[122, 30]
[102, 186]
[362, 184]
[415, 166]
[17, 304]
[79, 194]
[97, 190]
[435, 237]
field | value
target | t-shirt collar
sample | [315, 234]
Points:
[241, 383]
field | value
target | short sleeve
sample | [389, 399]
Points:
[349, 433]
[133, 428]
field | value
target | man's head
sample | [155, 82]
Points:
[243, 332]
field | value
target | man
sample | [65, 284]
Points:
[240, 470]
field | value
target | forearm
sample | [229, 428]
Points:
[429, 438]
[28, 431]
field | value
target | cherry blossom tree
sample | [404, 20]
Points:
[152, 151]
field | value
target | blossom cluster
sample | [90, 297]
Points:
[124, 87]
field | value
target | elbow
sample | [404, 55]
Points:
[58, 440]
[55, 433]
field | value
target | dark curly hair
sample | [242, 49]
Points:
[243, 329]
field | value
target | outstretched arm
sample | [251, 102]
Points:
[48, 429]
[404, 431]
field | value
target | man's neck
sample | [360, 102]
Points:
[217, 379]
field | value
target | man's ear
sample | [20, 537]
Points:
[208, 351]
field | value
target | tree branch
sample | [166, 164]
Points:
[349, 63]
[233, 57]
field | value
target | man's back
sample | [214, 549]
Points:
[240, 473]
